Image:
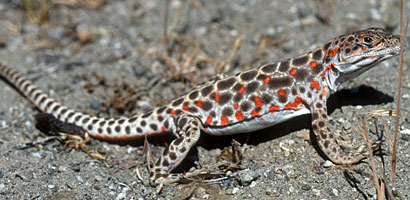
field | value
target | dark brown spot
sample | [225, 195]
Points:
[309, 94]
[284, 66]
[251, 87]
[169, 111]
[177, 102]
[301, 74]
[266, 98]
[347, 50]
[85, 120]
[326, 144]
[225, 84]
[77, 118]
[178, 141]
[121, 121]
[237, 87]
[261, 77]
[324, 116]
[165, 163]
[193, 95]
[139, 130]
[224, 98]
[212, 113]
[249, 75]
[193, 109]
[56, 108]
[118, 129]
[245, 106]
[315, 116]
[132, 119]
[160, 118]
[317, 55]
[317, 69]
[206, 90]
[94, 121]
[37, 95]
[227, 111]
[111, 122]
[42, 99]
[237, 97]
[182, 149]
[166, 124]
[161, 110]
[319, 105]
[206, 105]
[269, 68]
[182, 122]
[127, 130]
[172, 155]
[294, 91]
[283, 98]
[143, 123]
[326, 46]
[90, 127]
[102, 123]
[314, 127]
[302, 89]
[321, 124]
[300, 60]
[355, 48]
[281, 82]
[71, 114]
[99, 130]
[146, 115]
[351, 38]
[153, 127]
[108, 130]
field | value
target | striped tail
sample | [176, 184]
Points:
[122, 128]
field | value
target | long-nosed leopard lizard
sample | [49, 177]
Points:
[248, 101]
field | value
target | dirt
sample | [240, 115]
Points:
[111, 59]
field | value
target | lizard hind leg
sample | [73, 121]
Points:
[326, 141]
[188, 133]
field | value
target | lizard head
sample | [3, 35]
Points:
[352, 54]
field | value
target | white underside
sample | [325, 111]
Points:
[257, 123]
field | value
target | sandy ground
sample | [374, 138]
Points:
[110, 60]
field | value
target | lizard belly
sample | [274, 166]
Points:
[257, 123]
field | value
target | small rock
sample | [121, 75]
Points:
[405, 131]
[62, 169]
[347, 125]
[358, 107]
[235, 190]
[306, 187]
[328, 164]
[406, 96]
[253, 184]
[335, 192]
[246, 177]
[405, 137]
[95, 104]
[1, 174]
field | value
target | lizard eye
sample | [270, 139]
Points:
[368, 40]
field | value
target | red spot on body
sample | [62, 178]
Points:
[329, 67]
[255, 113]
[293, 72]
[327, 54]
[241, 90]
[235, 105]
[208, 120]
[313, 64]
[324, 93]
[274, 108]
[258, 102]
[216, 97]
[315, 85]
[295, 105]
[282, 93]
[185, 107]
[224, 120]
[239, 115]
[173, 112]
[163, 129]
[364, 48]
[199, 104]
[267, 79]
[333, 52]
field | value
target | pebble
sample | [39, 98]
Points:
[358, 107]
[235, 190]
[328, 164]
[405, 131]
[406, 96]
[95, 104]
[246, 177]
[1, 174]
[62, 168]
[335, 192]
[347, 125]
[253, 184]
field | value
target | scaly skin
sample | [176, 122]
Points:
[245, 102]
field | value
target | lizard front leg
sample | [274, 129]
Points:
[325, 137]
[187, 132]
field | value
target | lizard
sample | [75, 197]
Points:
[245, 102]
